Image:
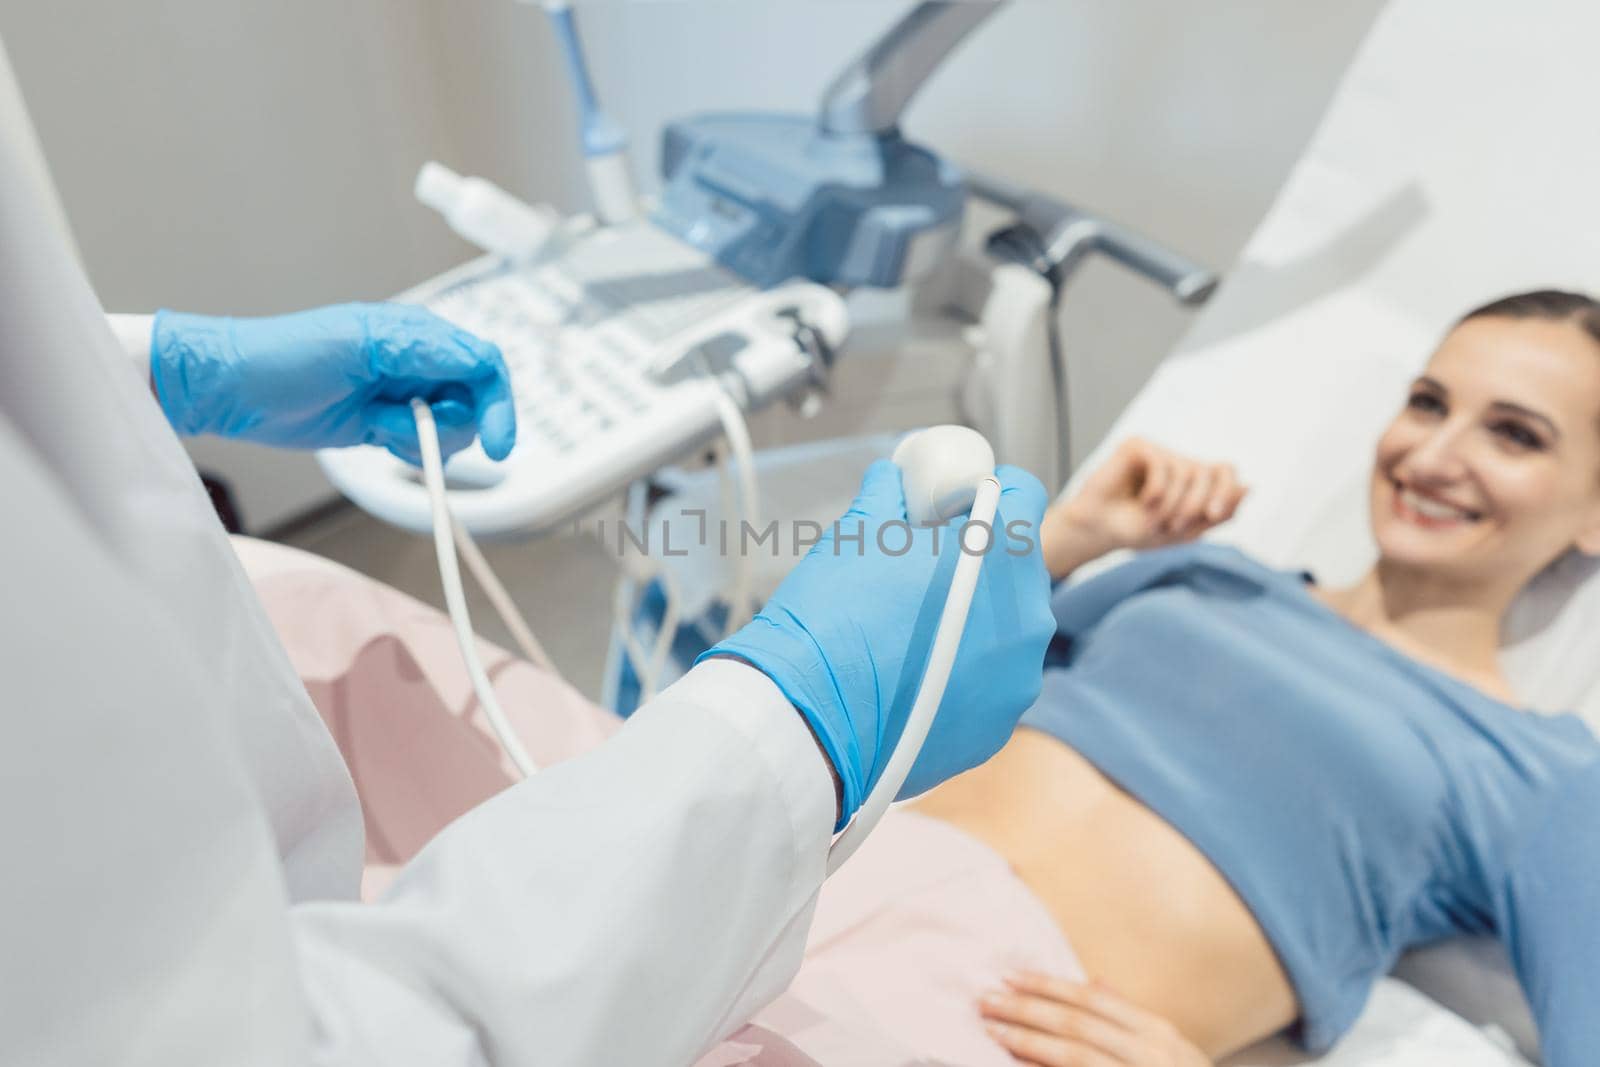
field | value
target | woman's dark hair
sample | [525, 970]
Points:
[1554, 305]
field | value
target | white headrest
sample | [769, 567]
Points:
[1455, 165]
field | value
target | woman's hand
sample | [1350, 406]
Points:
[1052, 1022]
[1143, 496]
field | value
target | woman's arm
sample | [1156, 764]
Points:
[1143, 496]
[1053, 1022]
[1550, 920]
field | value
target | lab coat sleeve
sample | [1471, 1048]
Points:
[1551, 923]
[134, 333]
[631, 906]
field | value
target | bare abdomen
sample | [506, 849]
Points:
[1145, 910]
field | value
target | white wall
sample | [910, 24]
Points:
[253, 157]
[1178, 118]
[222, 155]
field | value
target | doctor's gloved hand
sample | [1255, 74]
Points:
[847, 634]
[333, 376]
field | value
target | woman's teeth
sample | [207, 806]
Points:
[1434, 510]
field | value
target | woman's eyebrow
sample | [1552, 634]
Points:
[1506, 406]
[1527, 413]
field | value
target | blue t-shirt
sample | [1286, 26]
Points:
[1358, 801]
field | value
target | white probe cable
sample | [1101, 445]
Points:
[737, 432]
[941, 658]
[454, 596]
[622, 603]
[648, 667]
[500, 598]
[448, 533]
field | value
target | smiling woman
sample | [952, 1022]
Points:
[1489, 473]
[1232, 772]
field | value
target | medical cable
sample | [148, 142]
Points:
[935, 676]
[648, 667]
[500, 598]
[452, 539]
[728, 504]
[737, 432]
[449, 534]
[634, 500]
[454, 596]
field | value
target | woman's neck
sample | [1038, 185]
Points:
[1453, 626]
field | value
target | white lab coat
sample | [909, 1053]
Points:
[182, 845]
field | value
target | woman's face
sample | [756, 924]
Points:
[1492, 468]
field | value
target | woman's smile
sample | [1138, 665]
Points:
[1429, 510]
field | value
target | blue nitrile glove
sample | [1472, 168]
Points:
[847, 634]
[333, 376]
